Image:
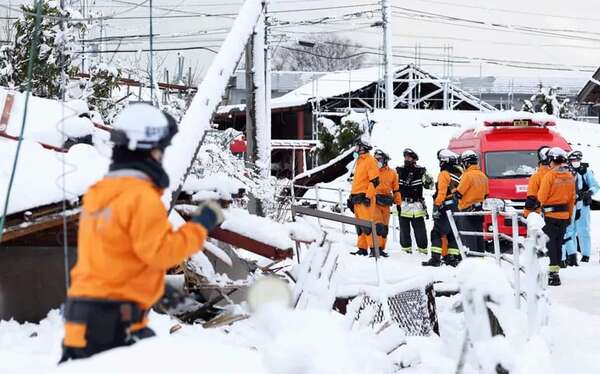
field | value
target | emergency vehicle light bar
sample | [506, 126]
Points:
[519, 123]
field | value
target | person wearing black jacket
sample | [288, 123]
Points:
[412, 211]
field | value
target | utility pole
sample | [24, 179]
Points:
[387, 55]
[258, 136]
[151, 58]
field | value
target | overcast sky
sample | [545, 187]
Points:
[560, 33]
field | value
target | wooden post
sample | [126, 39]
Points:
[300, 136]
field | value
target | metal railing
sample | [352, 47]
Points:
[342, 195]
[496, 235]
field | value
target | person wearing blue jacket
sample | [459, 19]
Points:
[579, 233]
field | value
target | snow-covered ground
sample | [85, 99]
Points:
[313, 341]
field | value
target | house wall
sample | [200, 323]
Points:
[32, 281]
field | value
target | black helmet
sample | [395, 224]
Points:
[381, 155]
[575, 156]
[411, 153]
[542, 154]
[557, 155]
[469, 157]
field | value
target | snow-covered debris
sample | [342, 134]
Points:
[222, 185]
[261, 229]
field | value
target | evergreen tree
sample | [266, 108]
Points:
[56, 47]
[104, 79]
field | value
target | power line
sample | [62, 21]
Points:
[207, 48]
[460, 60]
[510, 11]
[478, 24]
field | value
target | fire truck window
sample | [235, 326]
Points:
[512, 164]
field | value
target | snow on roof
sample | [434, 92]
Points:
[326, 86]
[48, 121]
[40, 171]
[330, 85]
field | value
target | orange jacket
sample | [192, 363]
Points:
[558, 188]
[446, 185]
[126, 242]
[534, 184]
[365, 171]
[388, 184]
[473, 187]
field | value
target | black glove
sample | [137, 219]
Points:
[350, 204]
[209, 215]
[436, 212]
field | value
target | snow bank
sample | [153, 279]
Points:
[39, 174]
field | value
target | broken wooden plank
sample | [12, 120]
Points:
[249, 244]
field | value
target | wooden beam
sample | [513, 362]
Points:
[44, 223]
[250, 244]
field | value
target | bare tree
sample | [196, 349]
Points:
[327, 53]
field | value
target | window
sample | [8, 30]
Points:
[510, 164]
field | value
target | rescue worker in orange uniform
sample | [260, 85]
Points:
[386, 195]
[443, 200]
[125, 240]
[557, 196]
[470, 194]
[362, 197]
[532, 204]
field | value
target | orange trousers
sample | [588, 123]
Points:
[382, 222]
[365, 238]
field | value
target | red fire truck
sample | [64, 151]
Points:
[508, 152]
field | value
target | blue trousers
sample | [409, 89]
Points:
[569, 246]
[582, 226]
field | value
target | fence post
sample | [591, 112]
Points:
[342, 208]
[318, 202]
[496, 239]
[459, 242]
[517, 262]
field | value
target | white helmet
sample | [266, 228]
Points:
[447, 156]
[469, 157]
[143, 127]
[557, 155]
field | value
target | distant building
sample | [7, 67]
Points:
[589, 96]
[297, 114]
[507, 93]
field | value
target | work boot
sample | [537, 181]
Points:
[360, 252]
[563, 264]
[572, 260]
[553, 279]
[585, 259]
[433, 261]
[382, 253]
[451, 260]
